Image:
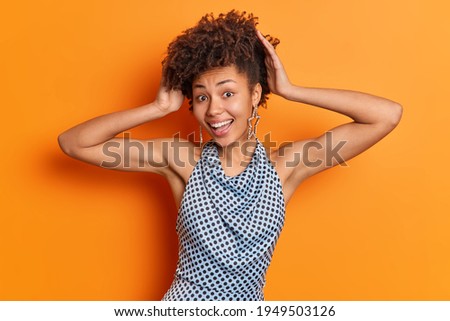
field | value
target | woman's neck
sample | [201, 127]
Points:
[236, 156]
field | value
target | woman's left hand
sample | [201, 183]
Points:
[277, 78]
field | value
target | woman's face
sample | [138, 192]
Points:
[222, 103]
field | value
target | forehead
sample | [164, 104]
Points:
[217, 75]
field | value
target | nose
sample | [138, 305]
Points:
[215, 107]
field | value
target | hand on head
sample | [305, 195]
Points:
[167, 100]
[277, 78]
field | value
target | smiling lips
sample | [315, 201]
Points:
[220, 128]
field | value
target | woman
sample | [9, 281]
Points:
[232, 193]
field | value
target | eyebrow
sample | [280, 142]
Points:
[218, 84]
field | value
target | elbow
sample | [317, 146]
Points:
[65, 145]
[394, 115]
[398, 112]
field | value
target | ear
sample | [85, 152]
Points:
[256, 94]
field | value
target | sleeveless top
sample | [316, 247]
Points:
[227, 229]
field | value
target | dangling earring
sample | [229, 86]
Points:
[252, 128]
[201, 136]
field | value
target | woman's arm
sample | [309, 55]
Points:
[373, 118]
[94, 141]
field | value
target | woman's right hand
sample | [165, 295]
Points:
[168, 101]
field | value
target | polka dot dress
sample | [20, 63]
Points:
[227, 229]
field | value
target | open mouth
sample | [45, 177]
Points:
[220, 128]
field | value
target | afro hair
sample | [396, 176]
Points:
[230, 39]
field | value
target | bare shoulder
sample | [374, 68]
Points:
[180, 157]
[290, 157]
[290, 161]
[183, 155]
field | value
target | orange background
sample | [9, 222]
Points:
[376, 230]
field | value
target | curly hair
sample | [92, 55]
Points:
[230, 39]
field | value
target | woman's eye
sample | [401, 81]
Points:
[228, 94]
[201, 98]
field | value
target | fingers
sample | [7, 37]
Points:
[260, 36]
[267, 45]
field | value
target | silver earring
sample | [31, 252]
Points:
[252, 128]
[201, 136]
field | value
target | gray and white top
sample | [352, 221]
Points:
[227, 229]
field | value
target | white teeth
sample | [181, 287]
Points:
[217, 125]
